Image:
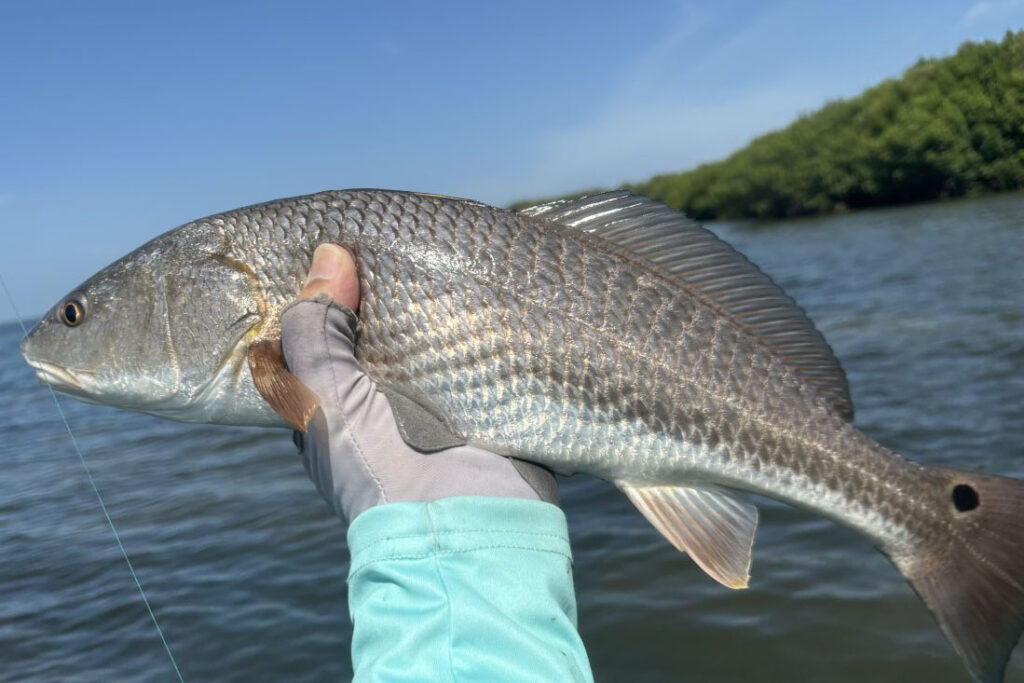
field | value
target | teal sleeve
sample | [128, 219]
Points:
[464, 589]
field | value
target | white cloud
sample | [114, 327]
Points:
[988, 10]
[646, 127]
[633, 143]
[390, 47]
[646, 72]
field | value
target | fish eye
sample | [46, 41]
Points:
[965, 498]
[72, 312]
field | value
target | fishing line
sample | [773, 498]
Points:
[92, 482]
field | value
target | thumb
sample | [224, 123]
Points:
[333, 272]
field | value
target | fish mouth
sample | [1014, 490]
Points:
[55, 376]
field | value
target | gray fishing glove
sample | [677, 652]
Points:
[353, 449]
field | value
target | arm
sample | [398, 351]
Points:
[460, 569]
[467, 588]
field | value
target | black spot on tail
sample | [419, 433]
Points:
[965, 498]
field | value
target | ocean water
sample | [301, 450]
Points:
[246, 566]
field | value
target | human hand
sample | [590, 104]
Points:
[353, 449]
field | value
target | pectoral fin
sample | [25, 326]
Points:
[288, 396]
[420, 423]
[710, 524]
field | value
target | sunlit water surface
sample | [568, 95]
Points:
[246, 567]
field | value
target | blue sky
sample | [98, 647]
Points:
[120, 120]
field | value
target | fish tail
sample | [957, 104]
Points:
[971, 573]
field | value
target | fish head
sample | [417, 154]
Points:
[164, 330]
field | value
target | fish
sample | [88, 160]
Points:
[608, 335]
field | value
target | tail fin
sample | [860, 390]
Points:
[973, 582]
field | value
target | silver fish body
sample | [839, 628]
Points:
[569, 336]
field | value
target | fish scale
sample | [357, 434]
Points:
[529, 259]
[538, 274]
[607, 335]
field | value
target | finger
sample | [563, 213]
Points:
[333, 272]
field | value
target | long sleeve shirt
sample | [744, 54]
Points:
[464, 589]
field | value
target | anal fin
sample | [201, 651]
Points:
[710, 524]
[285, 393]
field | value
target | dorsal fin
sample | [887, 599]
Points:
[703, 263]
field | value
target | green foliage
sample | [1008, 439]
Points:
[949, 127]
